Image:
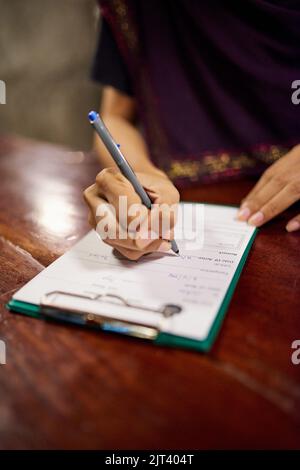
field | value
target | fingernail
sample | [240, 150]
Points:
[165, 246]
[256, 219]
[293, 225]
[243, 213]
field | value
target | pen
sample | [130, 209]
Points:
[122, 163]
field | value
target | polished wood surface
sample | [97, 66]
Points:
[66, 387]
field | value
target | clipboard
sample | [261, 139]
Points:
[49, 310]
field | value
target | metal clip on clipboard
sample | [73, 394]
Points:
[49, 309]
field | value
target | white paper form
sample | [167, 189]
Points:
[197, 280]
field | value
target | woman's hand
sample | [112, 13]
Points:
[134, 235]
[277, 189]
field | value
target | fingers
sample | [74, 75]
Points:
[133, 242]
[294, 224]
[258, 198]
[160, 246]
[138, 241]
[162, 219]
[264, 179]
[277, 189]
[118, 191]
[165, 199]
[112, 186]
[278, 203]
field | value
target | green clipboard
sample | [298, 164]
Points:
[165, 339]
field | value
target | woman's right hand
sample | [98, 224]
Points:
[124, 223]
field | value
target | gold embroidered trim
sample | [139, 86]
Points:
[223, 162]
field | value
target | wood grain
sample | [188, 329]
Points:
[65, 387]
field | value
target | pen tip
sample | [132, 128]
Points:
[174, 247]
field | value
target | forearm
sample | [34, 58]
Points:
[132, 144]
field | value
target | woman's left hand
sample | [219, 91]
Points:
[277, 189]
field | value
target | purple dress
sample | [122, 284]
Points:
[213, 81]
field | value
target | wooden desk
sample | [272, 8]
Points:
[65, 387]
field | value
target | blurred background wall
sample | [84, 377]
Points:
[46, 49]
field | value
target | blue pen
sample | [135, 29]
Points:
[122, 163]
